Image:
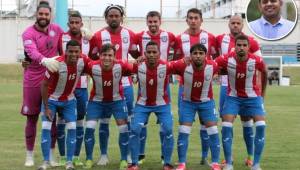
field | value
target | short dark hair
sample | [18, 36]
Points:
[241, 37]
[107, 47]
[73, 43]
[152, 43]
[112, 6]
[43, 4]
[75, 14]
[194, 10]
[199, 47]
[153, 14]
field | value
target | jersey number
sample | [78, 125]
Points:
[240, 75]
[197, 84]
[107, 83]
[72, 76]
[151, 82]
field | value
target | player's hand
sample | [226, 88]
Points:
[187, 60]
[48, 114]
[51, 63]
[86, 33]
[140, 59]
[25, 64]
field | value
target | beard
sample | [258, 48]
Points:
[114, 25]
[43, 22]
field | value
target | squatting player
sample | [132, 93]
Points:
[58, 96]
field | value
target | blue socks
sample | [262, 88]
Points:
[103, 137]
[89, 139]
[45, 143]
[204, 141]
[182, 142]
[61, 139]
[248, 136]
[143, 137]
[259, 140]
[227, 134]
[79, 139]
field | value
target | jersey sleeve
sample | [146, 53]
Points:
[172, 40]
[220, 61]
[213, 45]
[178, 54]
[254, 47]
[218, 43]
[260, 64]
[94, 46]
[30, 47]
[127, 68]
[178, 66]
[60, 45]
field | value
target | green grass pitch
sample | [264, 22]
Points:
[282, 149]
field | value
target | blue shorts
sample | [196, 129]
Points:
[252, 106]
[141, 114]
[180, 93]
[223, 94]
[206, 111]
[66, 109]
[81, 95]
[96, 109]
[128, 94]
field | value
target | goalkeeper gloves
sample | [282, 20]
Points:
[51, 63]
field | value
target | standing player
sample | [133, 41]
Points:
[75, 24]
[194, 35]
[243, 94]
[166, 41]
[124, 41]
[197, 97]
[153, 78]
[225, 44]
[58, 96]
[107, 98]
[40, 44]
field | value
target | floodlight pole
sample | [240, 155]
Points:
[61, 13]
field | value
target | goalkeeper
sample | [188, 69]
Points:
[40, 42]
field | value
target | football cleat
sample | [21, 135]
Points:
[103, 160]
[132, 167]
[168, 167]
[215, 166]
[181, 166]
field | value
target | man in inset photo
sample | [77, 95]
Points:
[271, 25]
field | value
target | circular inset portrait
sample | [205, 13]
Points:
[271, 19]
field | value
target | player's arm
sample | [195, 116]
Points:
[30, 48]
[44, 92]
[94, 50]
[133, 51]
[220, 61]
[264, 79]
[213, 47]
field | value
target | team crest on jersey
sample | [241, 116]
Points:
[117, 75]
[161, 74]
[250, 68]
[125, 40]
[52, 33]
[85, 41]
[207, 77]
[164, 38]
[203, 41]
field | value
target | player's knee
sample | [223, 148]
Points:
[71, 125]
[79, 123]
[136, 128]
[248, 123]
[168, 129]
[60, 121]
[260, 123]
[227, 124]
[80, 116]
[185, 129]
[104, 120]
[212, 130]
[91, 124]
[46, 125]
[123, 128]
